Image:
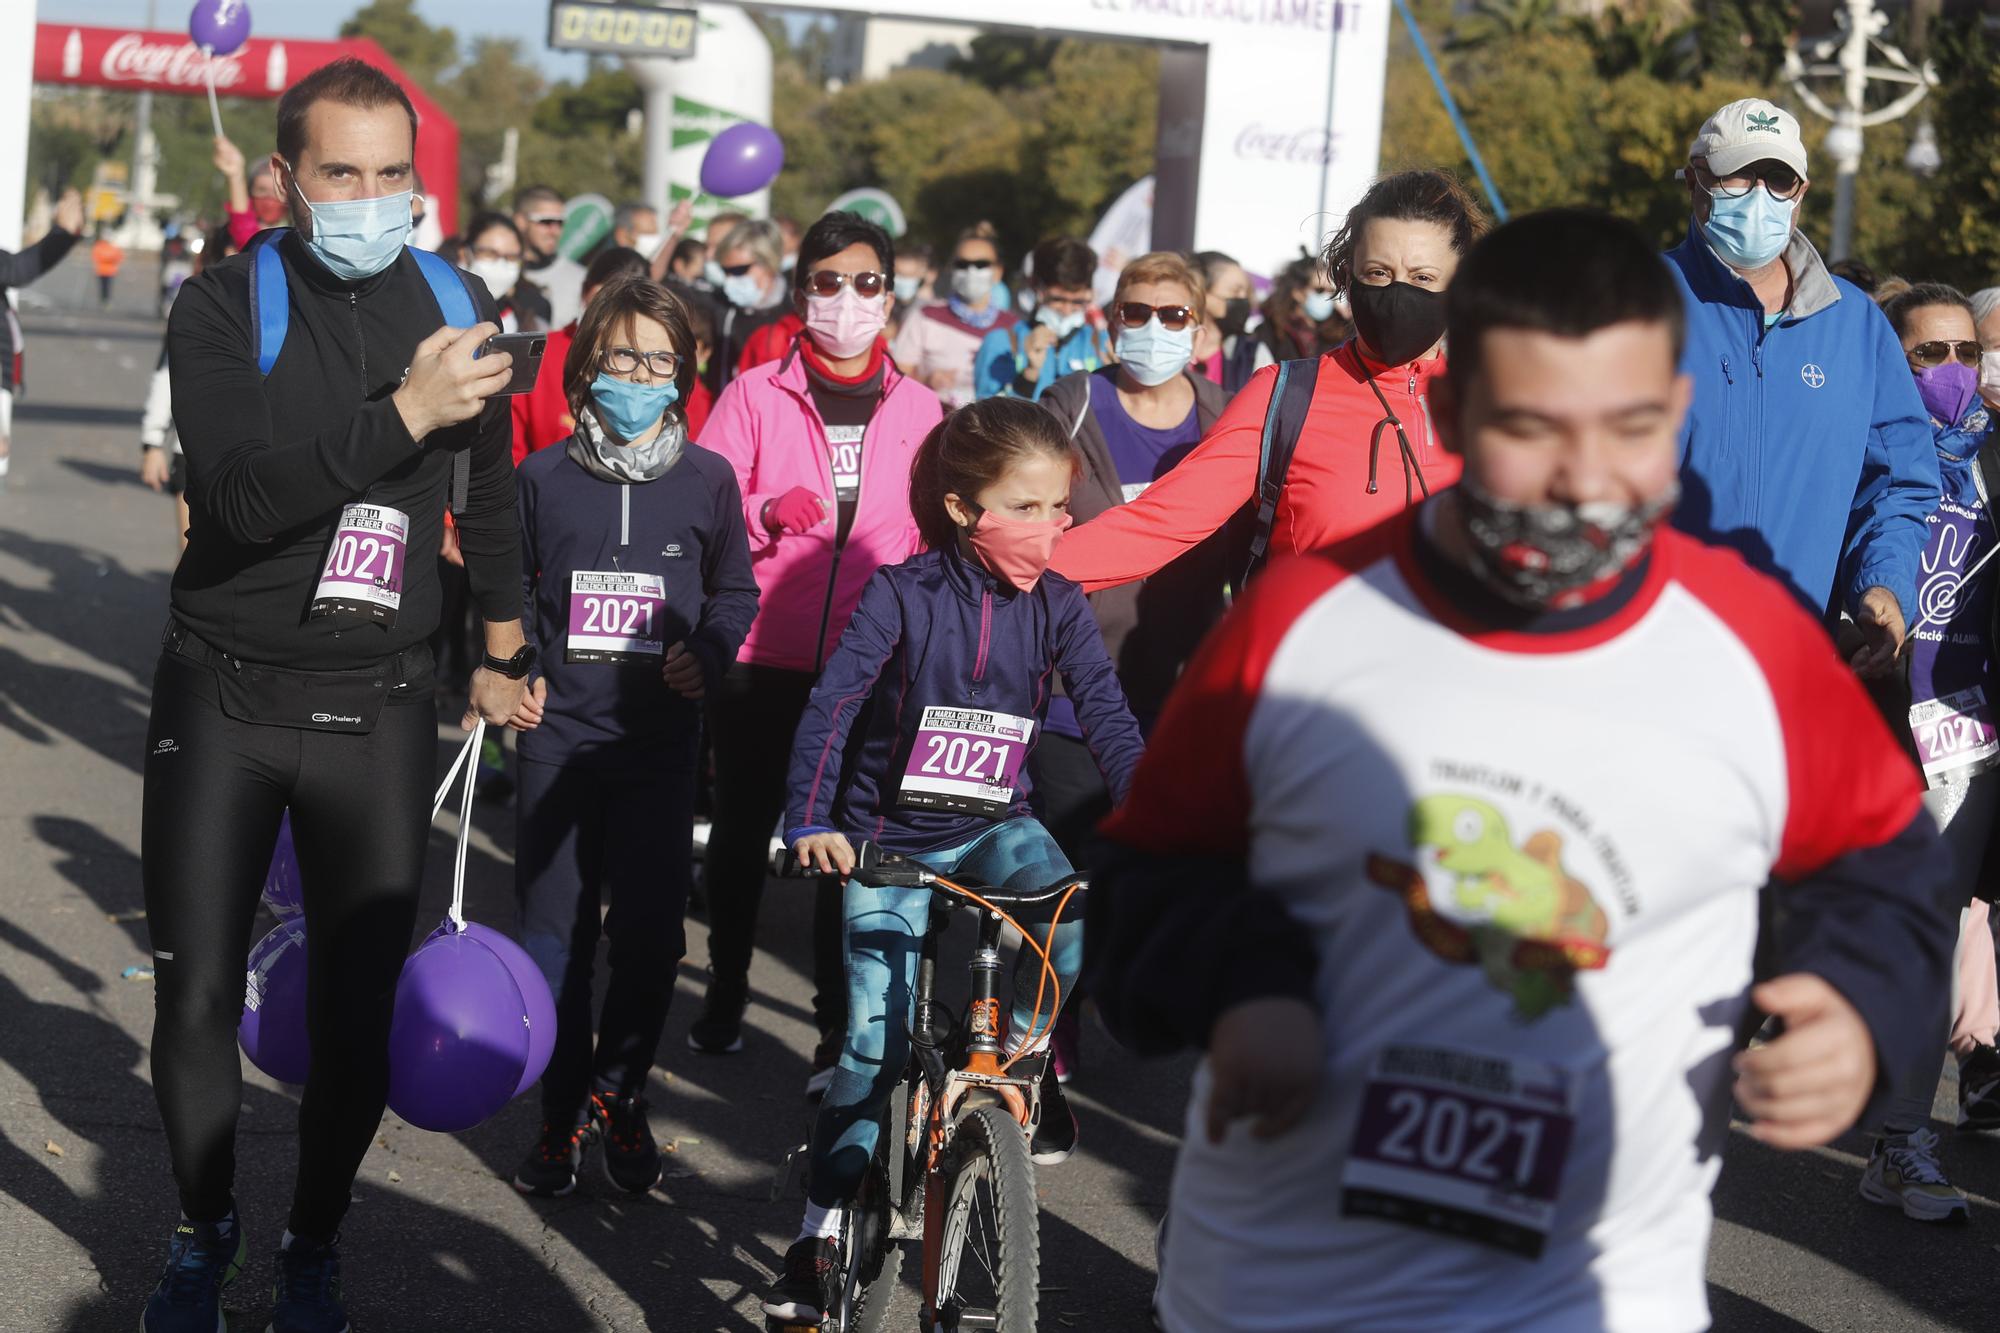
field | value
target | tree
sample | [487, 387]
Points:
[425, 52]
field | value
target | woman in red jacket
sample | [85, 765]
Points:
[1366, 450]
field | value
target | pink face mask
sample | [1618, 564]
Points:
[1016, 552]
[846, 323]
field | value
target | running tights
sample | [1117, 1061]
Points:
[215, 790]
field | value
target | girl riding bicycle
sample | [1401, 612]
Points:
[945, 672]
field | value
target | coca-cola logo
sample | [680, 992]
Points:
[132, 59]
[1313, 146]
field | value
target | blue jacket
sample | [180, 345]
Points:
[686, 526]
[940, 630]
[1806, 448]
[1002, 355]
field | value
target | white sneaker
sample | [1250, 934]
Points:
[1903, 1172]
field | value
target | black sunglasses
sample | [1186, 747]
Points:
[736, 270]
[972, 263]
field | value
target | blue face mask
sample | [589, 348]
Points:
[1154, 355]
[1751, 231]
[358, 238]
[629, 410]
[1318, 306]
[1062, 324]
[743, 291]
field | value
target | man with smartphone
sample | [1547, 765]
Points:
[327, 399]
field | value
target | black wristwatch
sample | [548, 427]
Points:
[516, 667]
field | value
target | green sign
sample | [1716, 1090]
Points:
[586, 221]
[621, 29]
[878, 206]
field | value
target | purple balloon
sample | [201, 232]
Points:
[540, 1005]
[220, 25]
[459, 1043]
[273, 1030]
[741, 160]
[281, 882]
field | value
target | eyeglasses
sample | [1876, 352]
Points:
[546, 220]
[736, 270]
[972, 263]
[1173, 318]
[1779, 179]
[625, 361]
[1930, 355]
[1057, 301]
[488, 253]
[825, 282]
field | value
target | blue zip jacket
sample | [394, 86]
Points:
[940, 630]
[1002, 355]
[1806, 448]
[686, 526]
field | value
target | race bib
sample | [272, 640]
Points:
[844, 453]
[615, 617]
[1955, 734]
[364, 566]
[967, 760]
[1466, 1144]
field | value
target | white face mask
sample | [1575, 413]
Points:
[499, 275]
[907, 286]
[972, 284]
[648, 244]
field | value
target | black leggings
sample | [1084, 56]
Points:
[591, 839]
[215, 790]
[751, 718]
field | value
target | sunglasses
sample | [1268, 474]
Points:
[1173, 318]
[824, 282]
[736, 270]
[546, 220]
[1782, 182]
[972, 263]
[1933, 354]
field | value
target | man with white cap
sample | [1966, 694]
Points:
[1806, 448]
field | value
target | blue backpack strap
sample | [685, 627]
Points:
[455, 304]
[270, 304]
[1284, 419]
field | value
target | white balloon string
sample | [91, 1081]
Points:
[465, 828]
[444, 788]
[214, 111]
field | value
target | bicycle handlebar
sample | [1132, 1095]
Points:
[883, 869]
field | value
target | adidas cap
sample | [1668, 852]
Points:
[1750, 130]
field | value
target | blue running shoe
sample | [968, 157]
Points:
[306, 1297]
[203, 1258]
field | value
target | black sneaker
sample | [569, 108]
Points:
[1979, 1089]
[825, 1056]
[810, 1283]
[550, 1168]
[306, 1296]
[202, 1259]
[1056, 1133]
[719, 1030]
[631, 1156]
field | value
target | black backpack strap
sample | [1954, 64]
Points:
[1284, 419]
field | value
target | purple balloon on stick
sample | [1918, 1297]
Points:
[742, 160]
[273, 1030]
[220, 26]
[460, 1043]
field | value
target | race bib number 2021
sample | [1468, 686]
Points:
[363, 575]
[966, 759]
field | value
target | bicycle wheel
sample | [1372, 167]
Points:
[874, 1261]
[991, 1258]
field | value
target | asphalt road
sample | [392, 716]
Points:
[436, 1239]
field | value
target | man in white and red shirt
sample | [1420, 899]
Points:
[1448, 850]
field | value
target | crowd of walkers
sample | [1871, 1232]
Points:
[1444, 658]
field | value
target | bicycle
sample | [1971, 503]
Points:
[951, 1168]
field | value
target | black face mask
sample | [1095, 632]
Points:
[1399, 322]
[1235, 316]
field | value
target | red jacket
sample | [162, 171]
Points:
[770, 342]
[542, 416]
[1326, 497]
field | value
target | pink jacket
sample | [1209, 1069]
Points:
[766, 426]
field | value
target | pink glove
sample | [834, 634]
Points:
[797, 510]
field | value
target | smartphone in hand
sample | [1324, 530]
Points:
[526, 349]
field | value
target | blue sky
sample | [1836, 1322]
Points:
[525, 19]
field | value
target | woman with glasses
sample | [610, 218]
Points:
[1951, 716]
[752, 295]
[821, 440]
[492, 253]
[940, 341]
[1362, 444]
[636, 574]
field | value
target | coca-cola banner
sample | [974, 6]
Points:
[167, 62]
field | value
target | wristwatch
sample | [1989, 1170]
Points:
[516, 667]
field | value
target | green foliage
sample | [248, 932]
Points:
[424, 52]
